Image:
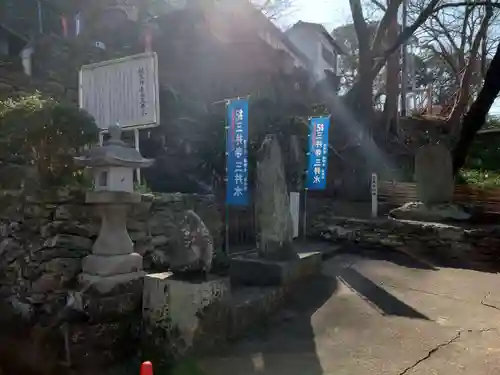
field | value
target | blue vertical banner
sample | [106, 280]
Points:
[237, 153]
[318, 153]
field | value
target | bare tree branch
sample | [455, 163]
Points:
[392, 11]
[405, 35]
[464, 92]
[379, 5]
[360, 25]
[468, 3]
[274, 9]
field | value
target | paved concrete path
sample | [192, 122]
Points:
[377, 317]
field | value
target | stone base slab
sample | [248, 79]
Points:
[174, 304]
[251, 270]
[106, 284]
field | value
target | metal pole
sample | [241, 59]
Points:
[226, 206]
[429, 99]
[308, 154]
[304, 220]
[404, 70]
[227, 227]
[40, 17]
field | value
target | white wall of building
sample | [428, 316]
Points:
[303, 42]
[276, 43]
[311, 44]
[323, 63]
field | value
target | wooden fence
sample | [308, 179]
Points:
[485, 200]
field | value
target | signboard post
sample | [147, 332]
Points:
[123, 91]
[318, 159]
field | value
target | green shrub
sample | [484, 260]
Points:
[44, 134]
[479, 178]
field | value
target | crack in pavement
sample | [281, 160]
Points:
[440, 346]
[431, 352]
[487, 304]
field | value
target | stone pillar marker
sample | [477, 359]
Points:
[435, 186]
[434, 174]
[113, 261]
[277, 261]
[272, 204]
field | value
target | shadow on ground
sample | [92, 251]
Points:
[292, 350]
[287, 344]
[378, 297]
[388, 254]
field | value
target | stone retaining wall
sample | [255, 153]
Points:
[43, 240]
[441, 244]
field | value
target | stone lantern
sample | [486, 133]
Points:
[113, 262]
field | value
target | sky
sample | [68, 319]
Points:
[331, 14]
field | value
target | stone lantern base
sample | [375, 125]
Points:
[112, 275]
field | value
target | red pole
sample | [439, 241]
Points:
[147, 368]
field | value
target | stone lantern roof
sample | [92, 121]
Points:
[114, 153]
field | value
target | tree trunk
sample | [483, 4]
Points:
[464, 92]
[393, 70]
[361, 93]
[476, 116]
[363, 103]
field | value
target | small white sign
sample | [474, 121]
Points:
[374, 185]
[295, 212]
[374, 190]
[123, 91]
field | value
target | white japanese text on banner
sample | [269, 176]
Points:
[318, 153]
[237, 153]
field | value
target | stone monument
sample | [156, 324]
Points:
[434, 174]
[192, 247]
[272, 204]
[276, 262]
[435, 186]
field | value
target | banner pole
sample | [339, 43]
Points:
[227, 229]
[226, 179]
[306, 175]
[304, 220]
